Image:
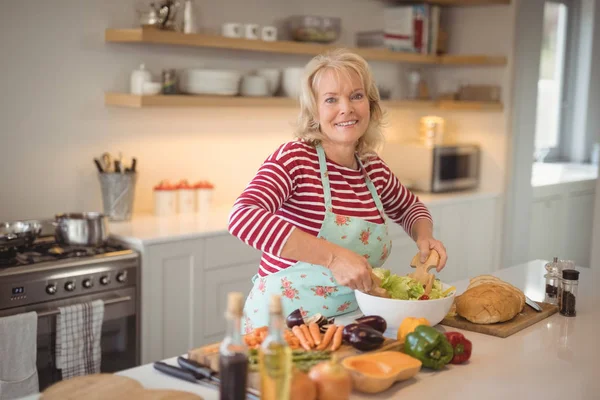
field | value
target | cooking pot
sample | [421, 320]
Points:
[81, 229]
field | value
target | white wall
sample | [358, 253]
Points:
[56, 67]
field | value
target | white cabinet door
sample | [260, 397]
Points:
[218, 283]
[547, 223]
[480, 238]
[579, 226]
[454, 222]
[229, 266]
[171, 273]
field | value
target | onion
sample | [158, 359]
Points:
[303, 388]
[333, 381]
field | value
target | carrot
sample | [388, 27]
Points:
[307, 334]
[337, 338]
[300, 335]
[327, 338]
[315, 332]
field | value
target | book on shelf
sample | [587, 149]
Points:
[412, 28]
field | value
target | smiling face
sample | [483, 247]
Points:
[342, 106]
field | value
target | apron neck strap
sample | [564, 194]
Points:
[327, 186]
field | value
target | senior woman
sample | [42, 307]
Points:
[319, 206]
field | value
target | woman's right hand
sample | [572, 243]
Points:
[350, 269]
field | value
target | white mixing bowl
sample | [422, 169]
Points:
[394, 311]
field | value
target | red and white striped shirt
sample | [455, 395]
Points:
[287, 193]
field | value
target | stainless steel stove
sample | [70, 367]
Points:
[45, 276]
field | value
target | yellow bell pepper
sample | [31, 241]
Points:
[408, 325]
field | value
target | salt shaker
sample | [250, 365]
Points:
[568, 292]
[552, 281]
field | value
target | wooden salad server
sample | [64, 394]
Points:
[421, 273]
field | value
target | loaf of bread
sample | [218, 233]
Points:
[488, 300]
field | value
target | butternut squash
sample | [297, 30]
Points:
[376, 372]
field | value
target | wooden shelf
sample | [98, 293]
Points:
[454, 2]
[134, 101]
[156, 36]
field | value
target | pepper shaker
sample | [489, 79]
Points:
[568, 292]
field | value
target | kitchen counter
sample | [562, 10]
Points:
[149, 229]
[545, 174]
[552, 359]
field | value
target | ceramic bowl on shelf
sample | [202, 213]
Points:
[291, 81]
[210, 81]
[151, 88]
[254, 86]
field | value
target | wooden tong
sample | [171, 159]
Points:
[376, 289]
[421, 273]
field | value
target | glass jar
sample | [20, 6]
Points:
[568, 292]
[552, 281]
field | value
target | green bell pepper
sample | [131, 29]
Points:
[429, 346]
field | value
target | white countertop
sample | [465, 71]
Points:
[149, 229]
[544, 174]
[553, 359]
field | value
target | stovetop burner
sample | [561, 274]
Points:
[48, 250]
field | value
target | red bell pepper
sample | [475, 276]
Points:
[461, 345]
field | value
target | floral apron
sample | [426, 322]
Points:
[310, 287]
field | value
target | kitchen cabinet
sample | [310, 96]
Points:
[184, 289]
[562, 221]
[171, 279]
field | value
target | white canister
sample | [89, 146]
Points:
[186, 201]
[165, 202]
[203, 199]
[138, 78]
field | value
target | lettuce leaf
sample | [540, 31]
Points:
[404, 287]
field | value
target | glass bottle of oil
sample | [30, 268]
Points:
[275, 357]
[233, 353]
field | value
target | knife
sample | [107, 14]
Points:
[533, 304]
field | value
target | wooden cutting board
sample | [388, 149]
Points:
[109, 386]
[523, 320]
[96, 386]
[209, 355]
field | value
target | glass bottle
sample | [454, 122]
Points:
[568, 292]
[275, 357]
[233, 353]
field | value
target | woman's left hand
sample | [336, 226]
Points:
[427, 244]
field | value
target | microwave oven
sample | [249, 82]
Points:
[434, 168]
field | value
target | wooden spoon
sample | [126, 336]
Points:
[421, 273]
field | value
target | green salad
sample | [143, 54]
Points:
[406, 288]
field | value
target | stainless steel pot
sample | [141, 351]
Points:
[81, 229]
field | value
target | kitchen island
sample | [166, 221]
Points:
[555, 358]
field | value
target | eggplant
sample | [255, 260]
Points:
[347, 331]
[374, 321]
[294, 319]
[365, 338]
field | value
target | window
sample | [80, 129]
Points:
[550, 99]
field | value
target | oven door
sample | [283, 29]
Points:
[455, 168]
[119, 340]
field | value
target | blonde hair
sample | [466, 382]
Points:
[340, 61]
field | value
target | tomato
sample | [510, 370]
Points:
[424, 297]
